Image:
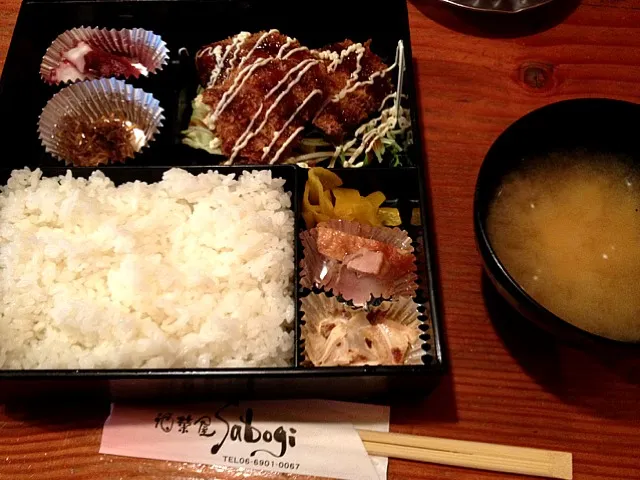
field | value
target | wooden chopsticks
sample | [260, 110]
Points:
[484, 456]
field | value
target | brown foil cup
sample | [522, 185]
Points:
[141, 46]
[320, 311]
[92, 100]
[317, 270]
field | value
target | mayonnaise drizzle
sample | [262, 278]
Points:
[241, 79]
[247, 135]
[300, 65]
[289, 87]
[284, 46]
[385, 100]
[262, 38]
[237, 85]
[243, 139]
[217, 69]
[235, 44]
[279, 132]
[352, 84]
[348, 89]
[243, 142]
[389, 118]
[337, 58]
[360, 51]
[286, 144]
[284, 93]
[238, 42]
[356, 73]
[207, 50]
[295, 50]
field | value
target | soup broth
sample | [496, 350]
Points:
[567, 229]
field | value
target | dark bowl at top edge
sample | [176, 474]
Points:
[598, 124]
[500, 7]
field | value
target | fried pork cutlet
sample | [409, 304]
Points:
[265, 88]
[207, 58]
[262, 98]
[358, 87]
[217, 61]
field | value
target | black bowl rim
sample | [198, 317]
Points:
[499, 275]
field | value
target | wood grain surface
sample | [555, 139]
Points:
[508, 382]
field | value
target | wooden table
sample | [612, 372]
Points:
[508, 383]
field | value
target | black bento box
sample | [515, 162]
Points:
[185, 25]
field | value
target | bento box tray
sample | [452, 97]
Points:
[186, 25]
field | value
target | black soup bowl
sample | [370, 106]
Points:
[594, 125]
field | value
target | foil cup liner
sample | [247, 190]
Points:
[320, 271]
[140, 46]
[91, 101]
[336, 334]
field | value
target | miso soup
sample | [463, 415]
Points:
[567, 228]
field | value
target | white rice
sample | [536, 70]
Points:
[193, 271]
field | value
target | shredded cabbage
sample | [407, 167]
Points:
[198, 135]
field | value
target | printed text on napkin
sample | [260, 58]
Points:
[305, 437]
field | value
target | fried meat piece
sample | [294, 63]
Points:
[350, 106]
[217, 61]
[206, 59]
[265, 88]
[260, 109]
